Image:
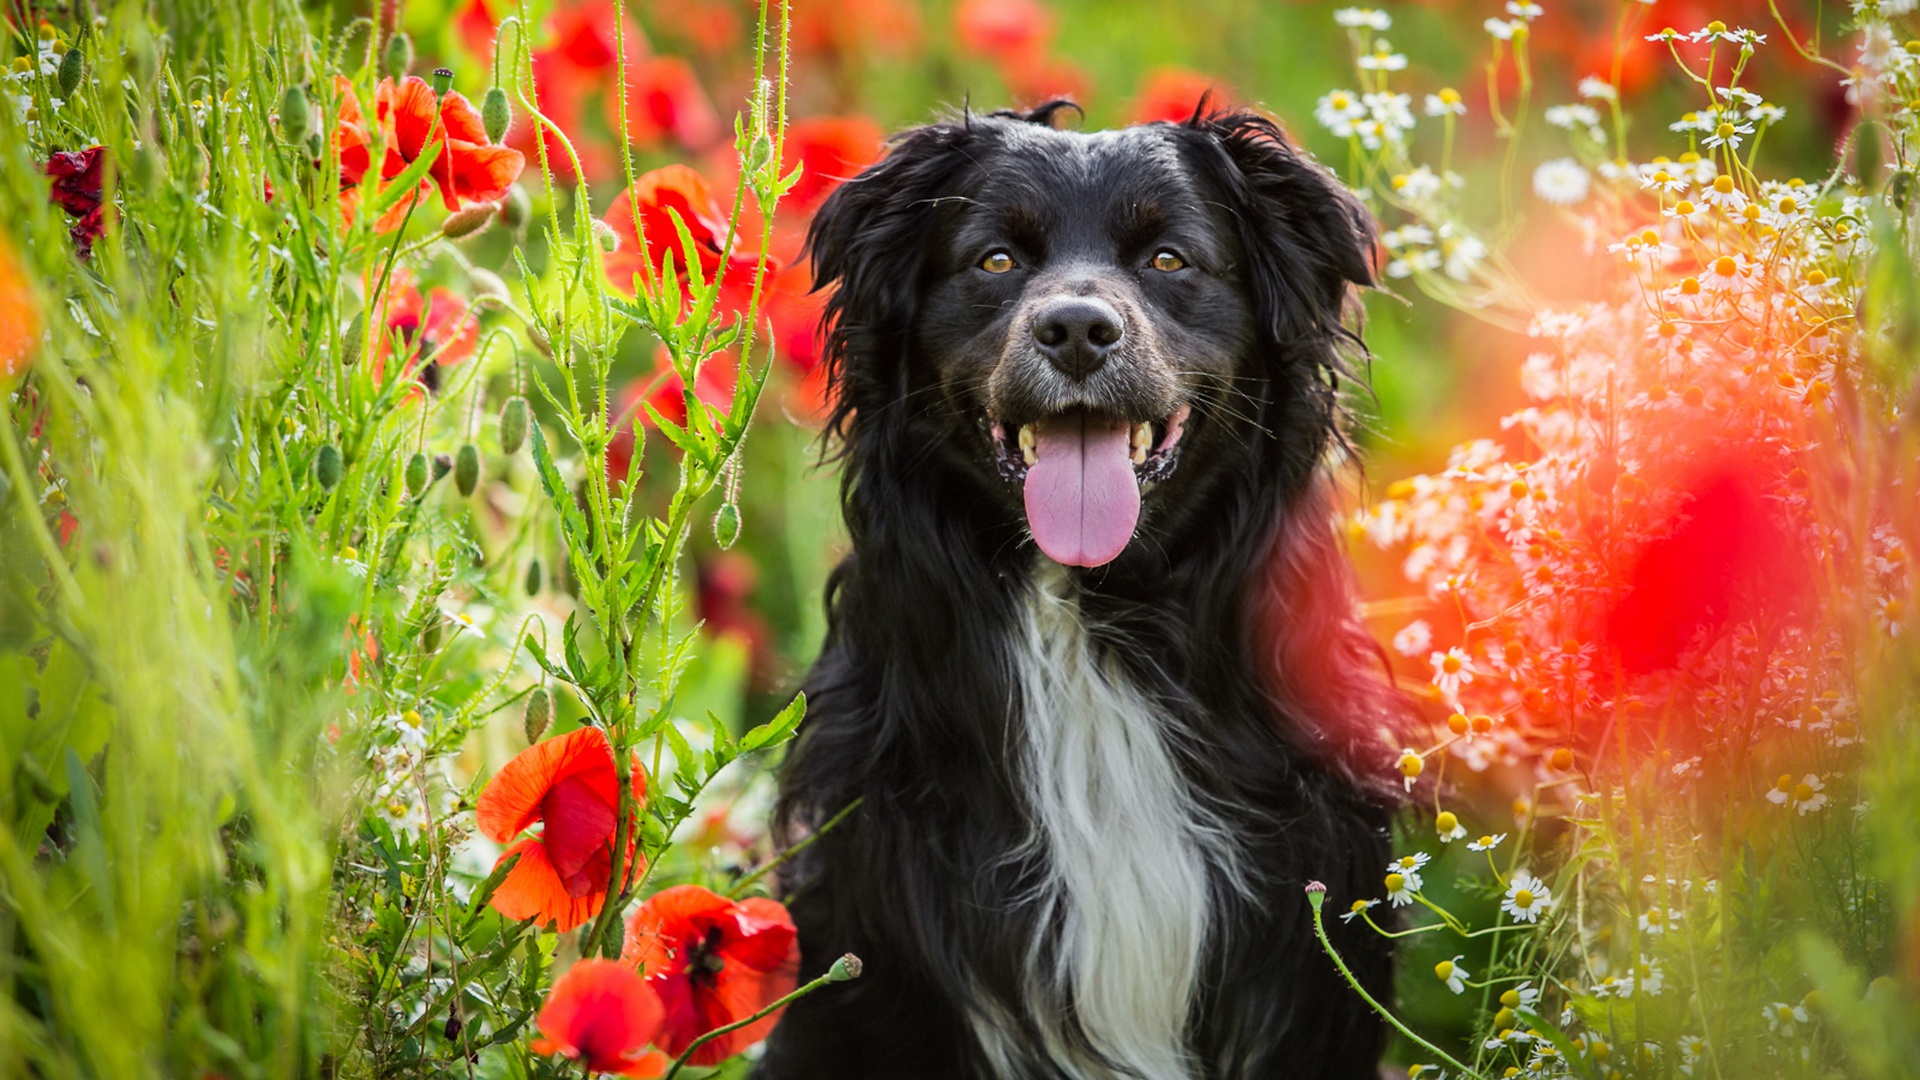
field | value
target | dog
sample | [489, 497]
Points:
[1093, 684]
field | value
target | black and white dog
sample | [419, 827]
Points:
[1093, 666]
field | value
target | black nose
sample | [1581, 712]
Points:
[1077, 333]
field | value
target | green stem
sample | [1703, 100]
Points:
[703, 1040]
[1320, 931]
[773, 863]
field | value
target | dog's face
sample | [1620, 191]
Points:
[1095, 324]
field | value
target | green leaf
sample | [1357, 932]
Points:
[572, 523]
[408, 180]
[777, 730]
[90, 847]
[678, 435]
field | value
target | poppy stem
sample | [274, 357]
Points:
[831, 976]
[774, 863]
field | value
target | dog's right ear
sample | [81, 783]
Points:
[869, 243]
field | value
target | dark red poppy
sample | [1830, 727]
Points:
[713, 961]
[723, 598]
[78, 189]
[829, 150]
[569, 787]
[1171, 94]
[666, 101]
[658, 196]
[603, 1014]
[439, 326]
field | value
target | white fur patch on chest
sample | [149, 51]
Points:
[1125, 908]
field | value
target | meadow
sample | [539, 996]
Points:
[414, 513]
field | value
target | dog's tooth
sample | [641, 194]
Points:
[1142, 442]
[1029, 444]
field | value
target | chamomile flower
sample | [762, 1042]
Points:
[1527, 897]
[1400, 890]
[1782, 1017]
[1598, 88]
[1354, 18]
[1414, 638]
[1356, 909]
[1417, 186]
[1451, 670]
[1522, 997]
[1525, 9]
[1447, 102]
[1410, 865]
[1656, 920]
[1806, 796]
[1451, 973]
[1501, 29]
[1562, 181]
[1338, 110]
[1486, 843]
[1447, 824]
[1382, 58]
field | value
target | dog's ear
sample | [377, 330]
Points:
[1308, 239]
[868, 243]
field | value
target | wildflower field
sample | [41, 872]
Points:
[413, 524]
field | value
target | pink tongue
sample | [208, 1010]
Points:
[1082, 498]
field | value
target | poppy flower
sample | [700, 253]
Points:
[19, 318]
[469, 169]
[568, 785]
[439, 325]
[830, 150]
[477, 29]
[663, 389]
[713, 961]
[602, 1013]
[665, 99]
[580, 61]
[350, 139]
[77, 189]
[856, 28]
[1171, 94]
[657, 196]
[1005, 30]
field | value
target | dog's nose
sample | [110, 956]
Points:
[1077, 333]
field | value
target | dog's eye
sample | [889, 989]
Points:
[998, 262]
[1167, 261]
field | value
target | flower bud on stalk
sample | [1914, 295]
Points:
[327, 467]
[442, 465]
[72, 67]
[845, 969]
[399, 55]
[442, 81]
[353, 340]
[605, 234]
[467, 220]
[294, 113]
[726, 525]
[466, 469]
[513, 424]
[532, 582]
[416, 474]
[496, 115]
[539, 714]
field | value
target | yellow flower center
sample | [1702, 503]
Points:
[1510, 999]
[1689, 286]
[1444, 969]
[1408, 862]
[1683, 207]
[1446, 822]
[1717, 27]
[1802, 792]
[1486, 841]
[1357, 906]
[1723, 184]
[1457, 723]
[1410, 765]
[1785, 783]
[1815, 277]
[1450, 96]
[1788, 205]
[1725, 266]
[1523, 898]
[1394, 882]
[1451, 665]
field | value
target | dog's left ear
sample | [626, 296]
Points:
[1309, 240]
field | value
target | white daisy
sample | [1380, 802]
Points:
[1400, 889]
[1487, 843]
[1451, 669]
[1562, 181]
[1451, 973]
[1527, 897]
[1414, 638]
[1354, 18]
[1358, 907]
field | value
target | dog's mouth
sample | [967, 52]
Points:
[1082, 473]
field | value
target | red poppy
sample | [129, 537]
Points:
[663, 389]
[350, 139]
[856, 28]
[658, 196]
[469, 169]
[723, 599]
[665, 99]
[713, 961]
[568, 785]
[440, 325]
[1171, 94]
[1006, 30]
[478, 29]
[602, 1013]
[582, 60]
[829, 149]
[19, 317]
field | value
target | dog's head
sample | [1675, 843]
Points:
[1093, 328]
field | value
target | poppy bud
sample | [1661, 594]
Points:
[1316, 894]
[726, 525]
[326, 467]
[442, 81]
[442, 465]
[513, 424]
[416, 474]
[605, 234]
[495, 114]
[516, 207]
[532, 582]
[539, 714]
[72, 66]
[485, 282]
[294, 113]
[314, 146]
[430, 634]
[353, 340]
[452, 1030]
[466, 469]
[399, 55]
[845, 969]
[467, 220]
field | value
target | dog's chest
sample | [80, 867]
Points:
[1133, 861]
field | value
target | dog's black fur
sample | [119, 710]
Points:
[1232, 602]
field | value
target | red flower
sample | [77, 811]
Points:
[830, 149]
[666, 99]
[77, 190]
[568, 784]
[603, 1013]
[713, 961]
[19, 318]
[469, 169]
[658, 196]
[440, 325]
[478, 30]
[350, 139]
[582, 60]
[1006, 30]
[663, 390]
[1171, 94]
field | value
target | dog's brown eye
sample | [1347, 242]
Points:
[997, 263]
[1167, 261]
